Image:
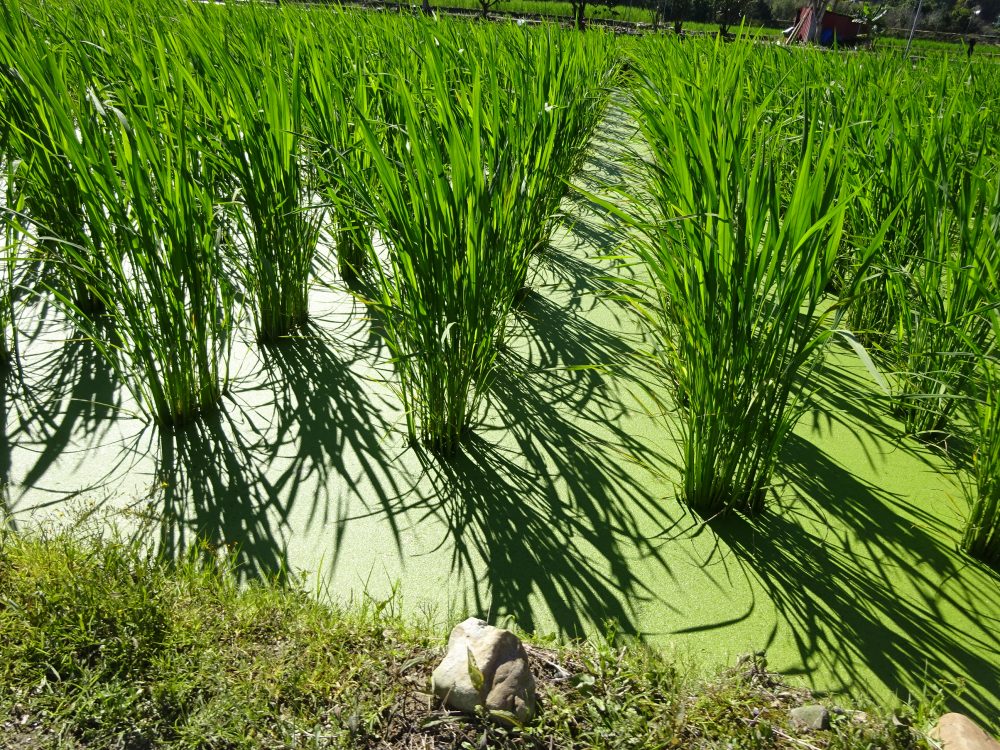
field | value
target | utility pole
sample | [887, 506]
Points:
[913, 28]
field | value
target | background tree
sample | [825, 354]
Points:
[579, 10]
[485, 6]
[872, 16]
[729, 12]
[672, 11]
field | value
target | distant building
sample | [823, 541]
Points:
[832, 28]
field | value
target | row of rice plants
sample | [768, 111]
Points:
[981, 538]
[775, 204]
[150, 253]
[188, 161]
[456, 199]
[740, 269]
[926, 305]
[941, 305]
[181, 170]
[922, 165]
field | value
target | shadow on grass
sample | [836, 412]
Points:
[868, 585]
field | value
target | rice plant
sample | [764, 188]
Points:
[444, 208]
[941, 300]
[10, 211]
[739, 270]
[40, 173]
[564, 92]
[884, 158]
[142, 171]
[343, 89]
[981, 537]
[263, 141]
[8, 223]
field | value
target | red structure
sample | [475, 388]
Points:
[833, 27]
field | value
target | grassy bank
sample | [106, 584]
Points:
[107, 647]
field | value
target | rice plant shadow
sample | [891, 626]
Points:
[584, 280]
[846, 396]
[868, 584]
[590, 229]
[328, 427]
[232, 480]
[555, 515]
[616, 128]
[601, 178]
[212, 492]
[604, 158]
[524, 543]
[76, 392]
[603, 166]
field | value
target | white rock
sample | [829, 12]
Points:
[959, 732]
[474, 649]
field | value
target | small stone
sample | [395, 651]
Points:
[959, 732]
[497, 657]
[813, 717]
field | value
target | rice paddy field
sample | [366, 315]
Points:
[689, 341]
